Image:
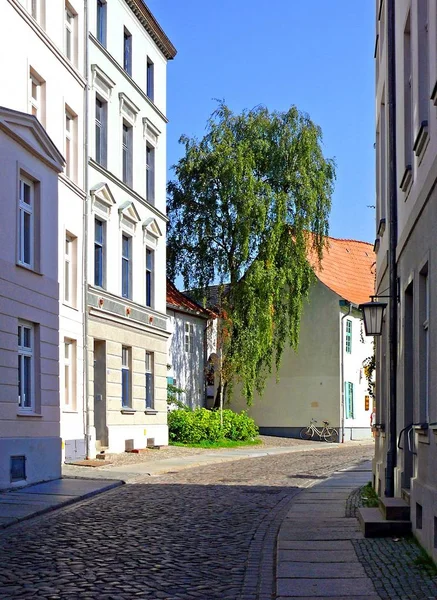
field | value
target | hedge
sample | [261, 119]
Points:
[200, 425]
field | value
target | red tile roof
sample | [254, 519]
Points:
[347, 268]
[178, 300]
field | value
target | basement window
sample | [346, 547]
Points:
[18, 468]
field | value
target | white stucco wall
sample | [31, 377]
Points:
[187, 367]
[29, 295]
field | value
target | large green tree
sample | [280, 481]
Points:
[250, 201]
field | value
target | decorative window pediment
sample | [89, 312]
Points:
[29, 132]
[128, 109]
[151, 133]
[102, 198]
[101, 82]
[152, 232]
[129, 216]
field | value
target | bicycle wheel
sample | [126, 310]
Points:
[331, 434]
[306, 433]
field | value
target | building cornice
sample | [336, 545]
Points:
[120, 69]
[47, 41]
[127, 189]
[152, 27]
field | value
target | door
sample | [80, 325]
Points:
[100, 394]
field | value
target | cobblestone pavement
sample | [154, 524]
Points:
[390, 563]
[202, 533]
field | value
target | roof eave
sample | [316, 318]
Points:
[152, 27]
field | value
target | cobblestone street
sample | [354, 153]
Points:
[202, 533]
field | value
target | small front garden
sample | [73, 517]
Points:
[205, 429]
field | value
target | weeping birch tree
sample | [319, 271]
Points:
[250, 201]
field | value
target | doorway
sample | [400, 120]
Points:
[100, 394]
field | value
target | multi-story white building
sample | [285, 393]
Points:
[94, 75]
[415, 49]
[46, 77]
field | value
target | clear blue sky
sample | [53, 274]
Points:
[316, 54]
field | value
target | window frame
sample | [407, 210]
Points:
[69, 141]
[101, 245]
[127, 153]
[23, 353]
[149, 277]
[70, 380]
[189, 337]
[150, 79]
[25, 208]
[69, 287]
[101, 9]
[150, 381]
[101, 126]
[349, 400]
[70, 33]
[126, 262]
[127, 51]
[348, 336]
[150, 173]
[126, 378]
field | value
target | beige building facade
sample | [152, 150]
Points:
[415, 477]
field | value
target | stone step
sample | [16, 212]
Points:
[373, 524]
[394, 509]
[405, 495]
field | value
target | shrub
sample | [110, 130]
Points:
[200, 425]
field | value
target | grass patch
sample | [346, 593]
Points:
[219, 444]
[424, 561]
[369, 497]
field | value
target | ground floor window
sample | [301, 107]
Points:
[349, 400]
[26, 350]
[150, 400]
[125, 377]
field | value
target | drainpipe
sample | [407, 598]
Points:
[86, 406]
[393, 233]
[343, 303]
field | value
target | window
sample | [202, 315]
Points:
[70, 146]
[127, 154]
[99, 253]
[36, 96]
[150, 173]
[127, 52]
[423, 73]
[349, 400]
[150, 259]
[101, 131]
[348, 336]
[26, 223]
[150, 79]
[150, 400]
[383, 162]
[189, 335]
[408, 108]
[126, 291]
[70, 374]
[34, 9]
[424, 344]
[70, 270]
[69, 41]
[26, 398]
[101, 22]
[125, 378]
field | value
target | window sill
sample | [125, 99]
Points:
[70, 411]
[421, 141]
[150, 411]
[68, 305]
[28, 268]
[422, 433]
[31, 415]
[128, 411]
[407, 179]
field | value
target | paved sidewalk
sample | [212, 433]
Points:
[20, 504]
[315, 551]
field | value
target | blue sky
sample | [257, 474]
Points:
[316, 54]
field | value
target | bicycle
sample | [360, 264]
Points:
[329, 434]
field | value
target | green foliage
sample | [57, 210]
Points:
[369, 365]
[173, 396]
[249, 203]
[199, 425]
[220, 444]
[369, 497]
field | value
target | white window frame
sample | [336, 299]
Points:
[35, 102]
[70, 143]
[29, 209]
[26, 352]
[69, 32]
[70, 375]
[70, 262]
[152, 277]
[189, 338]
[150, 359]
[126, 354]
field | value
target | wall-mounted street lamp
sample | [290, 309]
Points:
[372, 316]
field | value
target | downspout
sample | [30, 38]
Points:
[393, 220]
[343, 303]
[85, 248]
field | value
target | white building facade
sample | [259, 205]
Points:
[47, 79]
[125, 280]
[30, 442]
[415, 27]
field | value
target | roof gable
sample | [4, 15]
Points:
[176, 300]
[29, 133]
[128, 211]
[151, 226]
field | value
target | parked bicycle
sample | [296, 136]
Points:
[329, 434]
